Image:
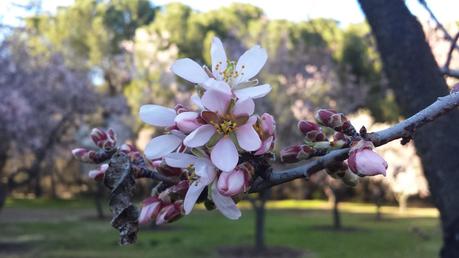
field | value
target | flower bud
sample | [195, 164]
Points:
[365, 162]
[311, 131]
[187, 121]
[84, 155]
[170, 213]
[98, 174]
[340, 140]
[150, 209]
[349, 178]
[337, 121]
[266, 129]
[234, 182]
[105, 140]
[296, 153]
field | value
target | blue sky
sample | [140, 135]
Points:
[345, 11]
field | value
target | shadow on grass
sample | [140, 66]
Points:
[268, 252]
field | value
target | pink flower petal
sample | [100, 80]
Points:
[250, 63]
[244, 106]
[265, 146]
[253, 92]
[187, 121]
[157, 115]
[216, 101]
[196, 100]
[224, 155]
[162, 145]
[192, 195]
[225, 204]
[189, 70]
[218, 56]
[248, 138]
[200, 136]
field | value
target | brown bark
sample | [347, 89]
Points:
[416, 80]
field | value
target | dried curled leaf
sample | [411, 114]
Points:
[121, 182]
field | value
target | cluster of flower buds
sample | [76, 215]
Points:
[311, 131]
[164, 207]
[364, 161]
[105, 140]
[336, 121]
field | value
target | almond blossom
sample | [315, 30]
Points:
[227, 119]
[202, 174]
[227, 76]
[159, 116]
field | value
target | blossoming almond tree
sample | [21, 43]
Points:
[222, 150]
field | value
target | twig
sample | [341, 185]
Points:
[404, 129]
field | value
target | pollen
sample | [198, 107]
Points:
[226, 127]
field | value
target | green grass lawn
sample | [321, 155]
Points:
[200, 234]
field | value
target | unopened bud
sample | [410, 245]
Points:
[105, 140]
[337, 121]
[364, 161]
[150, 209]
[179, 108]
[350, 178]
[311, 131]
[84, 155]
[340, 140]
[296, 153]
[175, 192]
[235, 182]
[170, 213]
[98, 174]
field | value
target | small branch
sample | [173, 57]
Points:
[404, 129]
[451, 50]
[142, 172]
[449, 72]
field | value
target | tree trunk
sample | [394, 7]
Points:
[336, 215]
[260, 215]
[416, 80]
[98, 197]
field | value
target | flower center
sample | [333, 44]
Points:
[229, 73]
[226, 127]
[191, 175]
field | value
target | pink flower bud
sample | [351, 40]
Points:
[296, 153]
[170, 213]
[312, 131]
[150, 209]
[187, 121]
[234, 182]
[98, 174]
[335, 120]
[340, 140]
[266, 129]
[105, 140]
[84, 155]
[365, 162]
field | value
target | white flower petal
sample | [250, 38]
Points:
[250, 63]
[192, 195]
[189, 70]
[218, 56]
[162, 145]
[253, 92]
[248, 138]
[205, 170]
[224, 154]
[244, 106]
[216, 101]
[200, 136]
[212, 84]
[225, 204]
[157, 115]
[180, 160]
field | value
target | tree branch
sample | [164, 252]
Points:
[404, 129]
